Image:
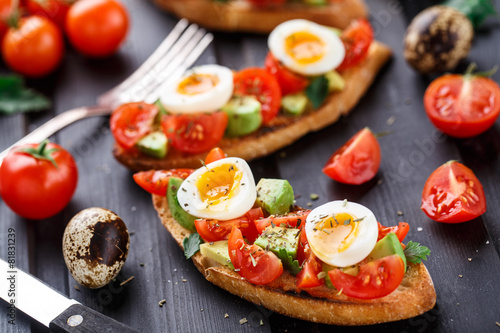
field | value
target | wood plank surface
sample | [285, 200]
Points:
[468, 291]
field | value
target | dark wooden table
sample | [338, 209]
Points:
[468, 290]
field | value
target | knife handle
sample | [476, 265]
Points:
[81, 319]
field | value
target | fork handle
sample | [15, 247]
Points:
[55, 124]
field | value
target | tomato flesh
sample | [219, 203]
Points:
[462, 106]
[453, 194]
[195, 133]
[288, 81]
[132, 121]
[401, 230]
[357, 161]
[251, 261]
[375, 279]
[357, 38]
[257, 82]
[291, 220]
[214, 230]
[214, 155]
[311, 265]
[156, 181]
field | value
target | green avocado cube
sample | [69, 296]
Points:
[217, 251]
[294, 104]
[335, 81]
[154, 144]
[180, 215]
[276, 238]
[244, 116]
[275, 196]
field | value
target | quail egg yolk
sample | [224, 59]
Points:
[339, 230]
[304, 47]
[197, 84]
[219, 183]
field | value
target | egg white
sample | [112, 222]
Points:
[206, 102]
[334, 51]
[242, 200]
[326, 244]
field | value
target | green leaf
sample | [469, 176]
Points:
[291, 265]
[476, 10]
[191, 244]
[15, 97]
[415, 252]
[317, 91]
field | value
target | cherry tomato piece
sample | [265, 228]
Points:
[252, 262]
[97, 27]
[195, 133]
[34, 48]
[5, 13]
[257, 82]
[214, 155]
[401, 230]
[288, 81]
[357, 161]
[462, 106]
[38, 181]
[357, 38]
[311, 266]
[291, 220]
[266, 2]
[156, 181]
[453, 194]
[375, 279]
[215, 230]
[132, 121]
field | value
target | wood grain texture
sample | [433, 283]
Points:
[410, 153]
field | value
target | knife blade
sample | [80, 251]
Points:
[47, 306]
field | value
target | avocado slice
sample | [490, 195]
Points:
[335, 81]
[244, 116]
[217, 251]
[154, 144]
[315, 2]
[294, 104]
[275, 195]
[180, 215]
[276, 238]
[388, 246]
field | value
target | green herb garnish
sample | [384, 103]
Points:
[16, 97]
[415, 252]
[290, 264]
[191, 244]
[317, 91]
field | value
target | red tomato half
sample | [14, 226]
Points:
[453, 194]
[259, 83]
[357, 38]
[375, 279]
[195, 133]
[34, 187]
[54, 10]
[34, 48]
[288, 81]
[462, 106]
[215, 230]
[292, 220]
[214, 155]
[97, 27]
[401, 230]
[252, 262]
[156, 181]
[130, 122]
[357, 161]
[311, 266]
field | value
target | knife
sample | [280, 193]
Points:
[47, 306]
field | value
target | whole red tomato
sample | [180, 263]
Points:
[97, 27]
[38, 180]
[54, 10]
[34, 48]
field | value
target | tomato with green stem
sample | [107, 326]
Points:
[38, 180]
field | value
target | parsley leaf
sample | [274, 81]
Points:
[415, 252]
[317, 91]
[15, 97]
[191, 244]
[291, 265]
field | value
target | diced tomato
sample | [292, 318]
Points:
[214, 155]
[401, 230]
[156, 181]
[375, 279]
[292, 220]
[251, 261]
[266, 2]
[214, 230]
[195, 133]
[357, 38]
[257, 82]
[131, 121]
[311, 265]
[289, 81]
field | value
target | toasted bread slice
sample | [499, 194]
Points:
[413, 297]
[283, 130]
[242, 16]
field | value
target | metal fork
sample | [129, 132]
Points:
[180, 49]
